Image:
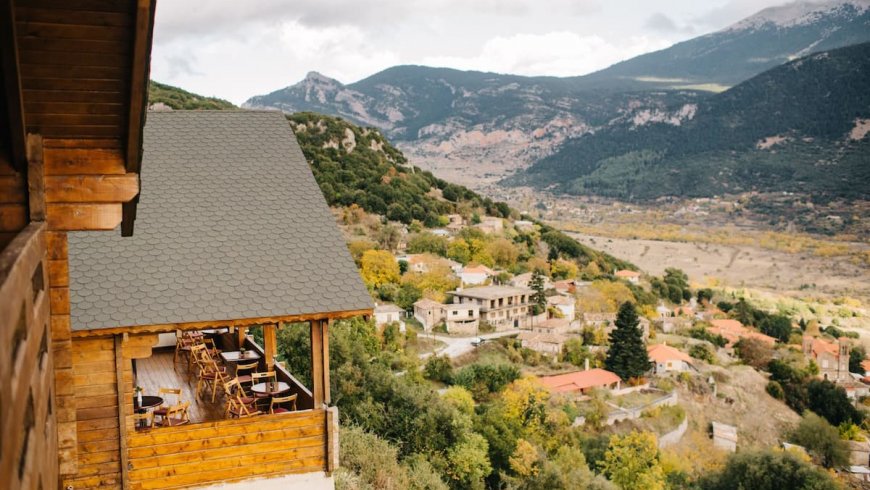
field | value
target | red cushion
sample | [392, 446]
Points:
[281, 410]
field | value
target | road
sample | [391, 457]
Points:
[457, 346]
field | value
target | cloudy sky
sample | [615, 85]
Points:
[236, 49]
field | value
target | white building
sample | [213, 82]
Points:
[388, 313]
[475, 275]
[461, 318]
[565, 305]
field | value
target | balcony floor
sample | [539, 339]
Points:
[157, 372]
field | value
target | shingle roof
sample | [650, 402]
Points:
[579, 380]
[230, 225]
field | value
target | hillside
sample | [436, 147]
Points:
[178, 99]
[478, 127]
[800, 127]
[358, 166]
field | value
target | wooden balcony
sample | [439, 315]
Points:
[212, 449]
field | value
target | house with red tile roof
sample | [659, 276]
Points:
[831, 357]
[474, 275]
[581, 382]
[630, 276]
[666, 358]
[733, 331]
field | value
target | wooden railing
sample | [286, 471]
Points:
[28, 430]
[304, 400]
[231, 450]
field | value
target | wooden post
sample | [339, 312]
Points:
[326, 398]
[242, 331]
[317, 363]
[122, 402]
[35, 177]
[271, 345]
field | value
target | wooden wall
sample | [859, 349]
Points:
[27, 408]
[96, 366]
[228, 450]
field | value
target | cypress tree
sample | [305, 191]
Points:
[539, 299]
[627, 356]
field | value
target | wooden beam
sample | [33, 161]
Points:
[122, 402]
[232, 323]
[270, 347]
[83, 217]
[326, 397]
[13, 217]
[35, 177]
[317, 363]
[242, 335]
[138, 100]
[12, 85]
[83, 161]
[91, 188]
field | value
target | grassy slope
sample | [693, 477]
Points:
[179, 99]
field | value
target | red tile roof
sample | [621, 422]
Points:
[662, 353]
[733, 330]
[579, 380]
[627, 273]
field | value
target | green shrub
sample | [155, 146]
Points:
[774, 389]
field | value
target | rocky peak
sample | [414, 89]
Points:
[801, 13]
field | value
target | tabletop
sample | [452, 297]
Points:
[270, 388]
[148, 401]
[236, 356]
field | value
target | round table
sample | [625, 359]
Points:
[271, 389]
[148, 401]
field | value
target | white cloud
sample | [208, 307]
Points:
[555, 53]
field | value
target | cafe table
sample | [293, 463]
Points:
[148, 402]
[270, 388]
[235, 356]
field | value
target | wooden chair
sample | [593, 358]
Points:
[165, 393]
[238, 409]
[177, 415]
[182, 348]
[244, 371]
[211, 347]
[198, 354]
[266, 377]
[279, 400]
[236, 394]
[211, 376]
[143, 420]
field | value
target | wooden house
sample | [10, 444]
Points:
[231, 233]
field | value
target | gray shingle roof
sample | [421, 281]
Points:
[230, 225]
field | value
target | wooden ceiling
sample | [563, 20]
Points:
[76, 73]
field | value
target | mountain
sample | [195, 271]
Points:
[760, 42]
[478, 127]
[800, 127]
[162, 96]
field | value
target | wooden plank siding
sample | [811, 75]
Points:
[228, 450]
[28, 412]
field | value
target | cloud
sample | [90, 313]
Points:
[662, 23]
[561, 53]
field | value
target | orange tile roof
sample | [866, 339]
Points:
[477, 269]
[579, 380]
[733, 330]
[866, 365]
[663, 353]
[627, 273]
[684, 310]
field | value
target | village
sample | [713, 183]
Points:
[550, 318]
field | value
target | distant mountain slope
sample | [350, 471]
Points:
[176, 98]
[755, 44]
[803, 127]
[493, 124]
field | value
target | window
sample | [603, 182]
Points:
[470, 312]
[455, 312]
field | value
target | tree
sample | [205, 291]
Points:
[563, 269]
[539, 300]
[503, 252]
[427, 243]
[627, 356]
[856, 356]
[753, 352]
[632, 462]
[407, 295]
[439, 368]
[831, 402]
[822, 440]
[458, 250]
[777, 326]
[575, 352]
[469, 462]
[388, 236]
[378, 267]
[768, 470]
